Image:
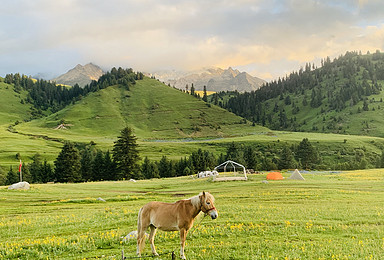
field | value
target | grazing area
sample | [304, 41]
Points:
[330, 215]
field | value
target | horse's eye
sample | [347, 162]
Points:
[208, 203]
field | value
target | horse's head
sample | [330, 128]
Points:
[207, 206]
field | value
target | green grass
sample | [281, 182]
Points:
[327, 216]
[11, 108]
[166, 122]
[152, 109]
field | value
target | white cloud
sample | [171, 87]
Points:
[274, 37]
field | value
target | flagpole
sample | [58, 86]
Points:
[21, 176]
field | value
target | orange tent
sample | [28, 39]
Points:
[274, 176]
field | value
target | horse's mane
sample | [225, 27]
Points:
[195, 200]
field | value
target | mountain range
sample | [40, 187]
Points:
[81, 75]
[215, 79]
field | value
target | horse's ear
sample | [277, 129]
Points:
[204, 193]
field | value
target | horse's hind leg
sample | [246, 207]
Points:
[141, 228]
[152, 239]
[183, 236]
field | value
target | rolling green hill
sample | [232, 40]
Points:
[13, 110]
[12, 106]
[165, 120]
[168, 123]
[342, 96]
[154, 110]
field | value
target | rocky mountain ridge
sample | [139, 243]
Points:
[80, 74]
[215, 79]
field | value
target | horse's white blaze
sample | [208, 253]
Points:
[213, 214]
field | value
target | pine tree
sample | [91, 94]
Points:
[192, 90]
[306, 154]
[146, 169]
[250, 158]
[46, 172]
[87, 157]
[109, 167]
[67, 164]
[11, 177]
[287, 160]
[164, 167]
[205, 97]
[98, 166]
[235, 153]
[126, 155]
[35, 169]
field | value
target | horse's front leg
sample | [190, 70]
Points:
[152, 240]
[183, 236]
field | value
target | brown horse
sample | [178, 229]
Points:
[172, 217]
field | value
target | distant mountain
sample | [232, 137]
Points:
[215, 79]
[81, 75]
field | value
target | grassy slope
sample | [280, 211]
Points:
[348, 121]
[152, 109]
[12, 110]
[327, 216]
[155, 112]
[163, 118]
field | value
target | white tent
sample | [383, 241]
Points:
[296, 175]
[231, 166]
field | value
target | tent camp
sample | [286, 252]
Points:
[235, 172]
[274, 176]
[296, 175]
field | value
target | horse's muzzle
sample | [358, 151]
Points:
[213, 214]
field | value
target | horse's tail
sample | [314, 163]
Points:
[140, 233]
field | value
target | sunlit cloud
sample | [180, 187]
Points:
[265, 38]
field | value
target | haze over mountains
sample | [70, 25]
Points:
[215, 79]
[81, 75]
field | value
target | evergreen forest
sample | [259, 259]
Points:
[341, 96]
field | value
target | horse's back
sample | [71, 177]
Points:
[161, 215]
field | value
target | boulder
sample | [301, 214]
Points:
[20, 186]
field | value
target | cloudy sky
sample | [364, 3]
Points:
[266, 38]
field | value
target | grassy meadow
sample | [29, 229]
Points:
[165, 120]
[330, 215]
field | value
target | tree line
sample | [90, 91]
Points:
[46, 95]
[336, 85]
[84, 162]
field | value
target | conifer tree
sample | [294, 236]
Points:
[205, 97]
[306, 154]
[35, 169]
[98, 166]
[126, 155]
[67, 164]
[192, 90]
[46, 172]
[109, 167]
[11, 177]
[287, 160]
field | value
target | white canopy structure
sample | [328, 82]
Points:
[231, 166]
[296, 175]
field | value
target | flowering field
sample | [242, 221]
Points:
[328, 216]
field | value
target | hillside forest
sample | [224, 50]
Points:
[332, 98]
[343, 96]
